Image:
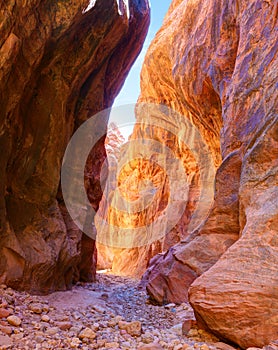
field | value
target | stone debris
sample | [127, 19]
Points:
[14, 320]
[80, 318]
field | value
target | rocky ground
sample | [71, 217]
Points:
[113, 313]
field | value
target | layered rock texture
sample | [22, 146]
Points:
[61, 62]
[155, 168]
[215, 62]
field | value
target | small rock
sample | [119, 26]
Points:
[18, 336]
[75, 342]
[45, 318]
[204, 347]
[101, 343]
[39, 339]
[95, 326]
[112, 345]
[99, 309]
[178, 347]
[76, 330]
[170, 306]
[118, 318]
[112, 323]
[45, 308]
[52, 331]
[6, 330]
[152, 346]
[87, 333]
[64, 326]
[133, 328]
[5, 341]
[193, 333]
[187, 325]
[147, 338]
[177, 329]
[36, 308]
[4, 313]
[14, 320]
[76, 316]
[126, 344]
[175, 342]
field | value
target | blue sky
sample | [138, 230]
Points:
[131, 88]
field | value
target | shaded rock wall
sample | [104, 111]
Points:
[216, 63]
[59, 65]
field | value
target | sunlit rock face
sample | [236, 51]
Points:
[216, 63]
[61, 62]
[154, 189]
[113, 143]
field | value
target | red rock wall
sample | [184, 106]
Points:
[216, 63]
[59, 66]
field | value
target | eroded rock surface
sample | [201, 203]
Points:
[61, 62]
[216, 63]
[153, 164]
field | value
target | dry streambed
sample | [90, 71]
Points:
[110, 314]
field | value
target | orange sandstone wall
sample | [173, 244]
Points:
[216, 62]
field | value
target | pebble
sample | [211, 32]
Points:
[123, 320]
[193, 332]
[36, 308]
[133, 328]
[6, 330]
[14, 320]
[204, 347]
[5, 341]
[64, 326]
[4, 313]
[52, 331]
[147, 338]
[45, 318]
[178, 347]
[187, 325]
[87, 333]
[112, 345]
[75, 342]
[177, 329]
[39, 339]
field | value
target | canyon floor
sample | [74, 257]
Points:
[113, 313]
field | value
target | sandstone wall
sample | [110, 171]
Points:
[216, 63]
[60, 64]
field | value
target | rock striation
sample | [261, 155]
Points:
[153, 164]
[61, 62]
[215, 62]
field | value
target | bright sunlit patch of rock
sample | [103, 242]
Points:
[126, 2]
[127, 8]
[104, 271]
[90, 6]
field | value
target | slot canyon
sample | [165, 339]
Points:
[176, 246]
